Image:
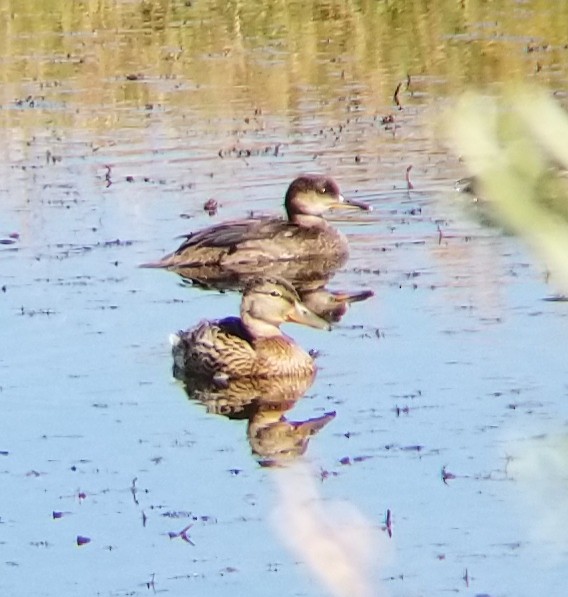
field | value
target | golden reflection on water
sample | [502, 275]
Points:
[264, 55]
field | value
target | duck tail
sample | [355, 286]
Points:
[174, 339]
[155, 264]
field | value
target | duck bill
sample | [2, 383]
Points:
[352, 297]
[342, 203]
[301, 314]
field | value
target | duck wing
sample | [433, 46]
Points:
[241, 241]
[250, 241]
[212, 348]
[229, 234]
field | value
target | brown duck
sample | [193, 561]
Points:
[252, 345]
[303, 234]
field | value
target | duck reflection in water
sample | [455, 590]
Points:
[263, 402]
[274, 439]
[330, 305]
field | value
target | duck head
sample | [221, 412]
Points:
[309, 196]
[269, 302]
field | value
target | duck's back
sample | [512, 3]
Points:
[213, 347]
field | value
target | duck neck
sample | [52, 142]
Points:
[259, 328]
[307, 221]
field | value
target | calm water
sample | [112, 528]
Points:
[119, 120]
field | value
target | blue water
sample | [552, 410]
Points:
[457, 363]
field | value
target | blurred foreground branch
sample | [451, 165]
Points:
[335, 542]
[516, 149]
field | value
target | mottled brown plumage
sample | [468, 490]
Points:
[303, 234]
[275, 439]
[252, 345]
[241, 397]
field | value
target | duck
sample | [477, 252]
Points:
[261, 240]
[251, 345]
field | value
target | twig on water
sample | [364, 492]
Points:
[409, 185]
[396, 92]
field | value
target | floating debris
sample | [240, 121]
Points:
[211, 206]
[388, 523]
[396, 96]
[446, 475]
[182, 535]
[246, 152]
[12, 238]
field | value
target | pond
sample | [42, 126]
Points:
[444, 467]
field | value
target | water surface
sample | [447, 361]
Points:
[119, 121]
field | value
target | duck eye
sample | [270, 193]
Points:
[322, 190]
[274, 293]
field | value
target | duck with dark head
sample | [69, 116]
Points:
[256, 241]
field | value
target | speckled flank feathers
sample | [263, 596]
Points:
[252, 345]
